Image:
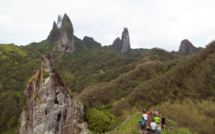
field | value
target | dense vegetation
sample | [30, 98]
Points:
[113, 85]
[198, 116]
[80, 69]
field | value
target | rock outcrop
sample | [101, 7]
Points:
[125, 42]
[187, 48]
[66, 39]
[54, 34]
[122, 45]
[90, 43]
[117, 44]
[50, 109]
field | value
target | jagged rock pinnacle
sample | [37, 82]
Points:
[66, 38]
[125, 41]
[50, 108]
[122, 45]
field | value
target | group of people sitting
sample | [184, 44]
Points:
[156, 124]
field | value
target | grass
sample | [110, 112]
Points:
[130, 125]
[173, 128]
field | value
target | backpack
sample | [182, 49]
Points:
[143, 123]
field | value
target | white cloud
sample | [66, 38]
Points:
[158, 23]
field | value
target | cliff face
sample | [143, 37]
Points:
[187, 48]
[66, 39]
[125, 41]
[50, 109]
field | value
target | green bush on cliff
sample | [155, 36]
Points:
[99, 121]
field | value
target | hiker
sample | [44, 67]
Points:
[152, 112]
[142, 125]
[163, 120]
[147, 113]
[158, 127]
[144, 110]
[157, 119]
[145, 116]
[156, 113]
[153, 126]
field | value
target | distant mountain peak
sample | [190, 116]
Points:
[54, 34]
[122, 45]
[187, 48]
[90, 43]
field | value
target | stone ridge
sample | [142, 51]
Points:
[50, 108]
[66, 38]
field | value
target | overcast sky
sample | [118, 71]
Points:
[151, 23]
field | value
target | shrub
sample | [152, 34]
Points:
[193, 115]
[100, 122]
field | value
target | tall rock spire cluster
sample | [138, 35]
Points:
[63, 32]
[122, 45]
[50, 109]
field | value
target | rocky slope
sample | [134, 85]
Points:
[50, 108]
[66, 38]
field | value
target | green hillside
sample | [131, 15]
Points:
[114, 85]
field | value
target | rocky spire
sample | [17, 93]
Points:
[54, 34]
[50, 108]
[125, 42]
[187, 48]
[66, 38]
